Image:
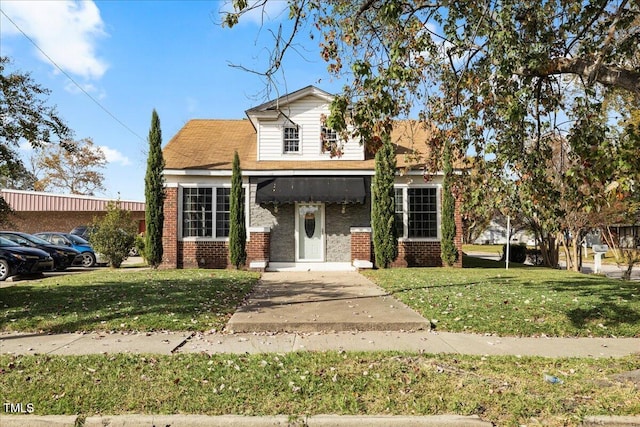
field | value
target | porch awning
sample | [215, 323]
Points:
[311, 189]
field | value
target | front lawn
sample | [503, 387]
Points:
[503, 390]
[121, 300]
[521, 301]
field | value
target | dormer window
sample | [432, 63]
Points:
[291, 139]
[330, 143]
[329, 137]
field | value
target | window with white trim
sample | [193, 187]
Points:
[291, 138]
[223, 211]
[197, 212]
[416, 212]
[399, 212]
[423, 212]
[206, 216]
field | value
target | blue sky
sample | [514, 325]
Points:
[133, 56]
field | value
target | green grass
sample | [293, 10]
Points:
[521, 301]
[503, 390]
[121, 300]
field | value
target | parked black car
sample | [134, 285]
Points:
[63, 256]
[15, 259]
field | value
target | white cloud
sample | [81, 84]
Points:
[114, 156]
[67, 31]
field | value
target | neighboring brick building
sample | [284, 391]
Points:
[36, 211]
[305, 210]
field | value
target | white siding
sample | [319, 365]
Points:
[306, 113]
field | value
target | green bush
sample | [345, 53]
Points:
[114, 235]
[517, 253]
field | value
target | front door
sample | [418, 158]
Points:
[309, 232]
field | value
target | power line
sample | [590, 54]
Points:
[72, 80]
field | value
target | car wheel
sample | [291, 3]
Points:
[88, 259]
[5, 270]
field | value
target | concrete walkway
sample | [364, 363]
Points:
[322, 301]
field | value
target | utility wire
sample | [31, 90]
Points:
[72, 80]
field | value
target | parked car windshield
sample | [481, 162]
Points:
[34, 239]
[7, 242]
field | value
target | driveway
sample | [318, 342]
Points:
[322, 301]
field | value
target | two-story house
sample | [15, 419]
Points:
[304, 209]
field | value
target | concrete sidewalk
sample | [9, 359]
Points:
[253, 343]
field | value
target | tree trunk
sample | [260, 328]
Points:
[627, 273]
[549, 251]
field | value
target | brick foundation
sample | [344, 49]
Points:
[203, 254]
[418, 254]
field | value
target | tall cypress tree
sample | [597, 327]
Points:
[385, 243]
[237, 230]
[448, 250]
[154, 195]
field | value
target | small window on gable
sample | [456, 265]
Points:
[291, 138]
[329, 136]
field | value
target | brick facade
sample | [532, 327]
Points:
[260, 246]
[418, 254]
[361, 246]
[64, 222]
[212, 254]
[170, 242]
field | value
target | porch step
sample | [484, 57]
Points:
[310, 266]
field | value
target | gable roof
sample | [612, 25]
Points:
[210, 145]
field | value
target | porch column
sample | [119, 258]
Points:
[258, 247]
[361, 247]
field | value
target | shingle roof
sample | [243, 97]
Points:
[210, 144]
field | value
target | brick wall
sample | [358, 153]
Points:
[203, 255]
[361, 246]
[64, 222]
[170, 229]
[418, 254]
